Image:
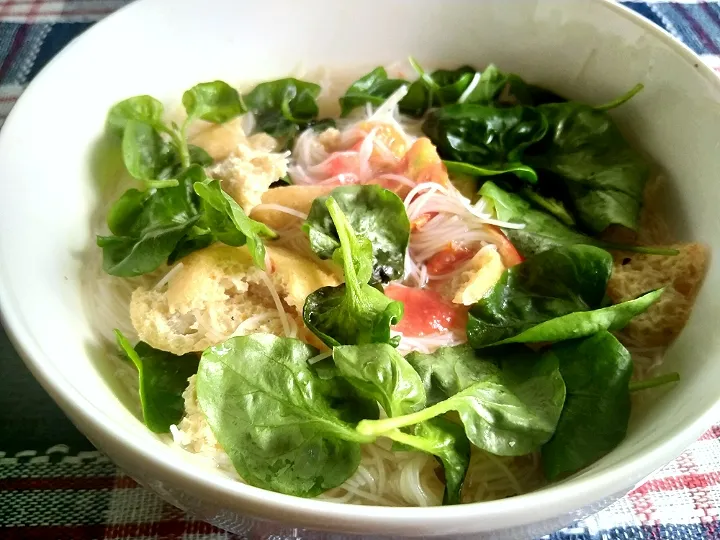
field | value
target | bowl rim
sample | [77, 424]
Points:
[311, 512]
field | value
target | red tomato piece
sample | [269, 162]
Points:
[426, 312]
[508, 253]
[342, 164]
[447, 260]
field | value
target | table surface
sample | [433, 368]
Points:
[54, 484]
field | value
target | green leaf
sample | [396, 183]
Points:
[199, 156]
[449, 444]
[354, 313]
[552, 296]
[542, 231]
[144, 109]
[273, 416]
[283, 108]
[460, 168]
[594, 420]
[216, 102]
[373, 213]
[147, 226]
[489, 137]
[144, 151]
[229, 223]
[163, 378]
[450, 370]
[604, 177]
[550, 205]
[373, 88]
[654, 382]
[509, 406]
[490, 84]
[381, 373]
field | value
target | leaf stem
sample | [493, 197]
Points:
[654, 382]
[179, 139]
[640, 249]
[423, 74]
[159, 184]
[409, 440]
[183, 145]
[382, 427]
[622, 99]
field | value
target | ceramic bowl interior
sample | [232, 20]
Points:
[588, 49]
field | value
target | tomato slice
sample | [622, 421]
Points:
[426, 312]
[509, 254]
[447, 260]
[342, 164]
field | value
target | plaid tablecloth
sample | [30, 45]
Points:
[55, 485]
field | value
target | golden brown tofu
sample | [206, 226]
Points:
[217, 292]
[681, 275]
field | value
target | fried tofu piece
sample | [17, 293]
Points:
[681, 275]
[298, 198]
[249, 170]
[220, 140]
[217, 293]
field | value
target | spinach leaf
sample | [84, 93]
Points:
[542, 230]
[508, 407]
[373, 213]
[604, 176]
[163, 378]
[594, 420]
[144, 109]
[450, 370]
[379, 372]
[144, 151]
[215, 102]
[147, 226]
[373, 88]
[552, 296]
[273, 416]
[229, 223]
[448, 443]
[283, 108]
[460, 168]
[199, 156]
[446, 86]
[354, 313]
[490, 137]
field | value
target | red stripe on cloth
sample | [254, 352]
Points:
[709, 44]
[76, 532]
[6, 7]
[62, 482]
[34, 9]
[70, 15]
[710, 12]
[14, 48]
[167, 530]
[713, 432]
[673, 483]
[125, 482]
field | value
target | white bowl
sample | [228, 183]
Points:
[589, 49]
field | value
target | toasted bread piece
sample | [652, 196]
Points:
[681, 275]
